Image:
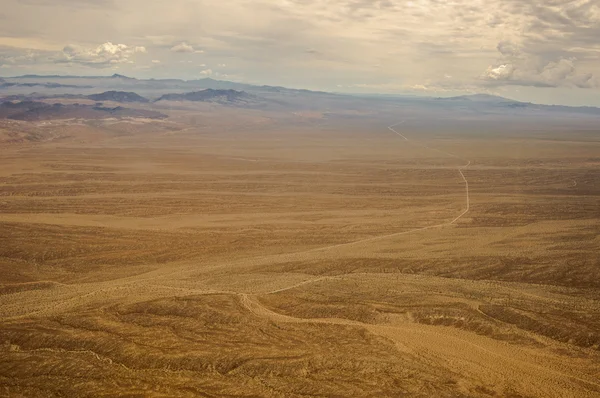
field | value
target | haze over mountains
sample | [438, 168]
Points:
[36, 111]
[121, 82]
[119, 89]
[209, 95]
[118, 96]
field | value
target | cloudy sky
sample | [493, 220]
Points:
[537, 50]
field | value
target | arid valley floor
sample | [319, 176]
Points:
[241, 253]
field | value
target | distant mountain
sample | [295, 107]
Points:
[7, 108]
[17, 97]
[44, 77]
[120, 82]
[117, 76]
[483, 102]
[36, 111]
[253, 96]
[40, 97]
[210, 95]
[487, 98]
[117, 96]
[5, 84]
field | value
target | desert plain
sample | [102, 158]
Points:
[240, 252]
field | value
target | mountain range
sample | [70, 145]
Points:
[35, 111]
[119, 88]
[210, 95]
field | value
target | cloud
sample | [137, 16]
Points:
[500, 72]
[155, 61]
[182, 48]
[70, 3]
[185, 48]
[14, 56]
[102, 56]
[388, 44]
[559, 73]
[105, 55]
[508, 49]
[441, 87]
[563, 72]
[206, 72]
[518, 67]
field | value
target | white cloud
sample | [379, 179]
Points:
[185, 48]
[206, 72]
[155, 61]
[11, 56]
[500, 72]
[517, 67]
[509, 49]
[105, 55]
[419, 87]
[182, 48]
[564, 72]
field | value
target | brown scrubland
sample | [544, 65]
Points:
[228, 252]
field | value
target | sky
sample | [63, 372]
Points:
[544, 51]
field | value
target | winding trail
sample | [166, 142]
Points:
[465, 351]
[73, 296]
[444, 224]
[460, 169]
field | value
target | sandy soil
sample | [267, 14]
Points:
[296, 258]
